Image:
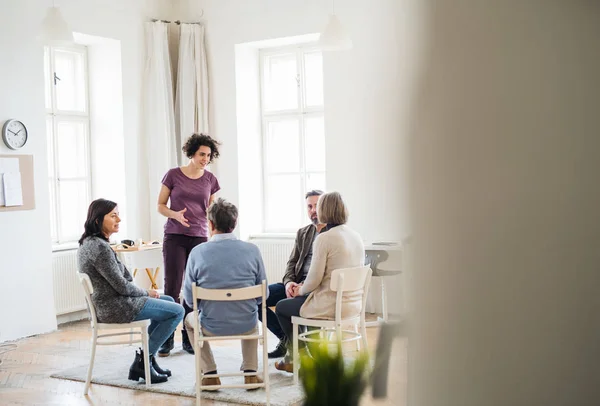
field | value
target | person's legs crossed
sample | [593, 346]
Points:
[154, 323]
[276, 294]
[165, 315]
[285, 310]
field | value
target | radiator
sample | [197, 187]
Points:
[275, 254]
[68, 294]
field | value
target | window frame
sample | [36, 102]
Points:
[56, 116]
[301, 113]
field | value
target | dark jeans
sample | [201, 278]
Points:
[176, 249]
[276, 294]
[285, 310]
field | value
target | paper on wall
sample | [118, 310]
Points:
[7, 165]
[13, 193]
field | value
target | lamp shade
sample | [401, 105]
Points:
[334, 37]
[55, 28]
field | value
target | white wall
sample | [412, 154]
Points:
[365, 129]
[506, 162]
[26, 301]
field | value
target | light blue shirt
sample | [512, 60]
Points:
[225, 262]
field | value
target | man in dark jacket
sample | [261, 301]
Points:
[296, 271]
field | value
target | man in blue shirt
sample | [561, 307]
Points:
[224, 262]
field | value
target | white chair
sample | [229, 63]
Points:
[374, 258]
[342, 280]
[228, 295]
[142, 325]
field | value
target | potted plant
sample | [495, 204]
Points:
[329, 380]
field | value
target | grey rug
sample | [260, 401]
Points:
[112, 366]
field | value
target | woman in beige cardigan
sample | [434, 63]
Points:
[337, 246]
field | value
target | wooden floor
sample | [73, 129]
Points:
[25, 374]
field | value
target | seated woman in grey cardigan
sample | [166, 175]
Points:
[337, 246]
[116, 298]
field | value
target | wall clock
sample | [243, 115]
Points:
[14, 134]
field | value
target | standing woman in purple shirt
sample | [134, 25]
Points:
[190, 190]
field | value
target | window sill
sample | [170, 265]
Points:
[66, 246]
[272, 236]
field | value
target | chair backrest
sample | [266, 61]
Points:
[88, 289]
[349, 280]
[230, 295]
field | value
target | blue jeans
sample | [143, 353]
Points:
[276, 294]
[164, 315]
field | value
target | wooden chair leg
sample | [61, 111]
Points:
[266, 365]
[384, 302]
[145, 347]
[199, 372]
[296, 357]
[88, 380]
[363, 332]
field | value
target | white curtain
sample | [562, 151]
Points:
[191, 105]
[158, 117]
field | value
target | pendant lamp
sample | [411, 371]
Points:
[54, 27]
[334, 37]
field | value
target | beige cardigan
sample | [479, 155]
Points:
[340, 247]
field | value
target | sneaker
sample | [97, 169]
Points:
[280, 350]
[185, 343]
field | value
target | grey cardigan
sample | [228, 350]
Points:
[116, 298]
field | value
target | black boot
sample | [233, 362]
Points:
[167, 346]
[185, 343]
[280, 350]
[157, 368]
[136, 371]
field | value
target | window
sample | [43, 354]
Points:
[67, 129]
[293, 133]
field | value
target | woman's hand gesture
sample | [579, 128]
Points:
[153, 293]
[181, 218]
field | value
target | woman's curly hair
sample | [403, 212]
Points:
[194, 143]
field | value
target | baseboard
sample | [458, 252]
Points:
[71, 317]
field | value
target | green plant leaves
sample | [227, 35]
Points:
[329, 380]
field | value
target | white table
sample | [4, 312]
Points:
[383, 246]
[151, 272]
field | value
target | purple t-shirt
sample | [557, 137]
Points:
[193, 194]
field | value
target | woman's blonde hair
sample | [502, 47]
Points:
[331, 209]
